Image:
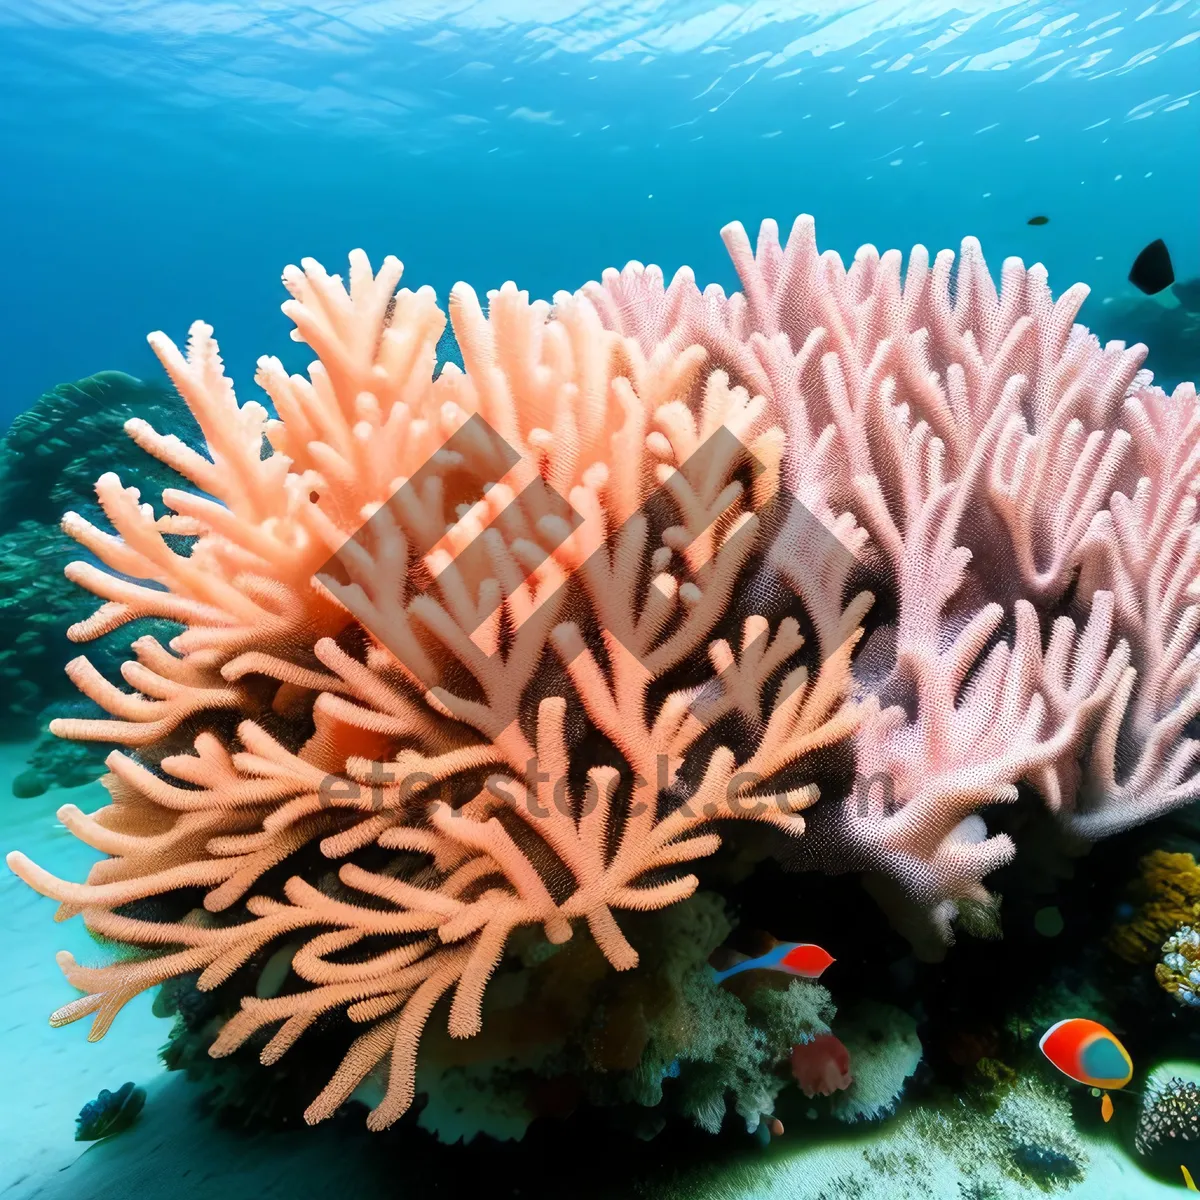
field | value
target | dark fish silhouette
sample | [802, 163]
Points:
[1038, 221]
[1152, 271]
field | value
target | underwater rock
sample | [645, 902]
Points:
[109, 1113]
[28, 784]
[1034, 1122]
[1045, 1162]
[884, 1050]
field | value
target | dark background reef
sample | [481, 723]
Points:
[50, 459]
[1171, 330]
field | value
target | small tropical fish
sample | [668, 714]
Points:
[1085, 1051]
[1038, 221]
[1188, 1180]
[1088, 1053]
[792, 958]
[1152, 271]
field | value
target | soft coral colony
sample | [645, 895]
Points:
[517, 646]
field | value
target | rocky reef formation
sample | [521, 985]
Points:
[50, 458]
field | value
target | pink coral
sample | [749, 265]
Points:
[1025, 501]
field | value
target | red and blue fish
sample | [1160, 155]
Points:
[1087, 1052]
[1090, 1054]
[792, 958]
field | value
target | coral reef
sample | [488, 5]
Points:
[476, 660]
[821, 1066]
[53, 452]
[1168, 1129]
[1006, 477]
[744, 1057]
[586, 790]
[884, 1050]
[1170, 1112]
[560, 1030]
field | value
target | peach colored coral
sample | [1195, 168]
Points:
[348, 651]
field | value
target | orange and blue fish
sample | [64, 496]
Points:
[792, 958]
[1090, 1054]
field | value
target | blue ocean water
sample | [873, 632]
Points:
[164, 160]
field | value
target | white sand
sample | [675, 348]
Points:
[49, 1074]
[886, 1163]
